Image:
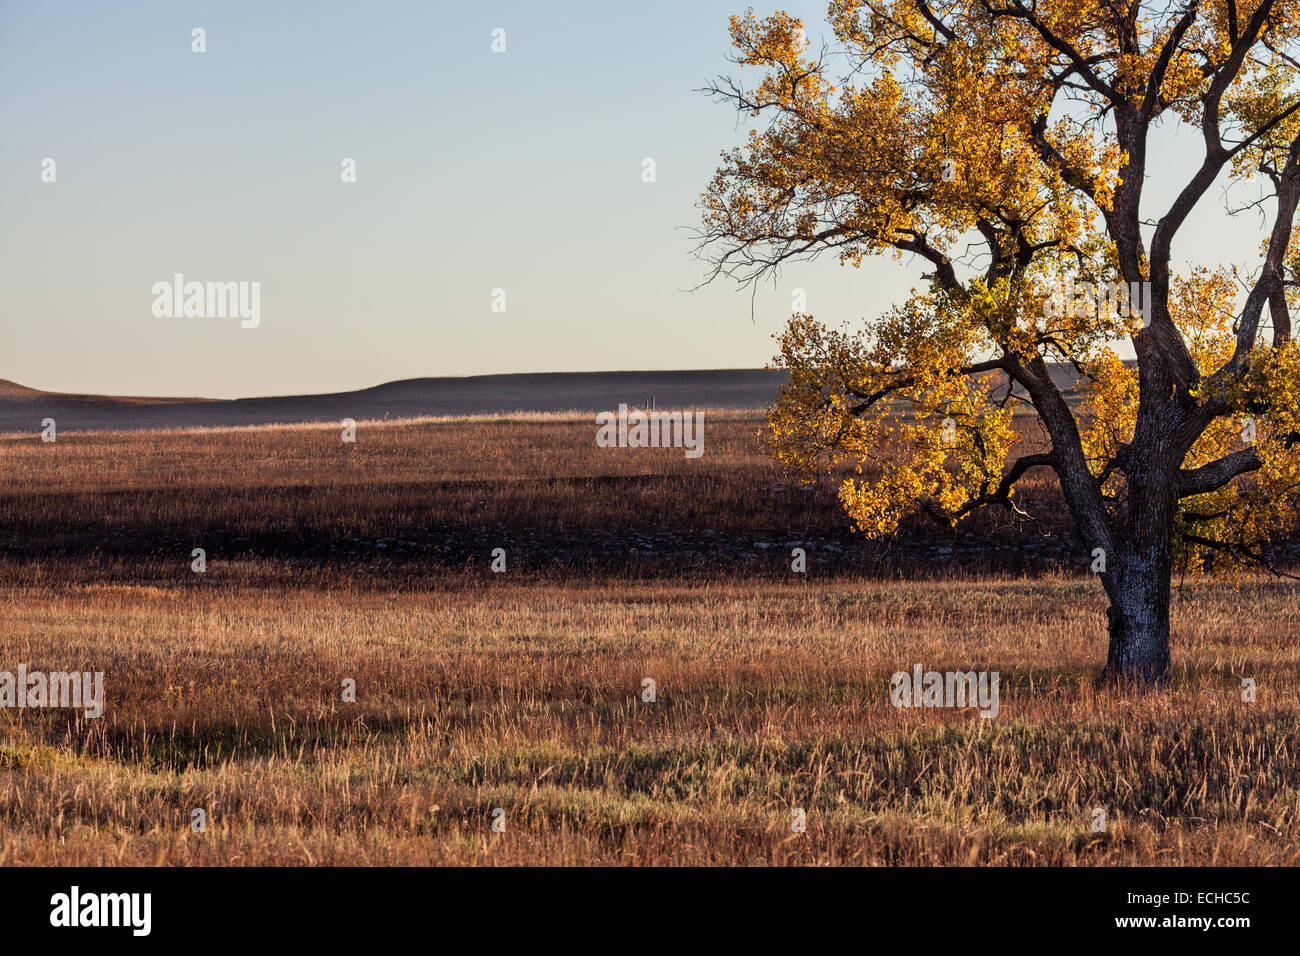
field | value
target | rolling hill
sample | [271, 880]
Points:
[23, 408]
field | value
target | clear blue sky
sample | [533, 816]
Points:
[476, 171]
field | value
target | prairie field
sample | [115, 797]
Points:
[522, 689]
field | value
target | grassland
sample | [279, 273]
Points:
[521, 690]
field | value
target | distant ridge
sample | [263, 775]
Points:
[22, 408]
[10, 389]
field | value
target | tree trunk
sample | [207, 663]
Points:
[1139, 621]
[1140, 583]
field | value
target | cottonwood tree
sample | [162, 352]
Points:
[1002, 145]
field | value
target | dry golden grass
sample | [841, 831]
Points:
[441, 494]
[264, 479]
[521, 691]
[771, 696]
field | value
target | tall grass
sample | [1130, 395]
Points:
[521, 690]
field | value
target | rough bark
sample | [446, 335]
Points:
[1139, 621]
[1140, 584]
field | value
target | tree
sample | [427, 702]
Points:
[1003, 145]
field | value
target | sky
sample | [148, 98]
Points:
[475, 171]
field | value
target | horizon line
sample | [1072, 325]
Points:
[13, 383]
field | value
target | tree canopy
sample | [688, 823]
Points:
[1005, 145]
